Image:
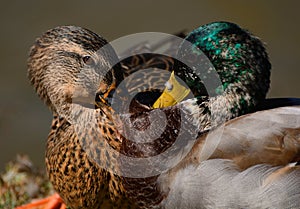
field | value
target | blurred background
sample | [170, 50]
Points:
[25, 120]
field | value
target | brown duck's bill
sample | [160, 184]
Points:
[83, 98]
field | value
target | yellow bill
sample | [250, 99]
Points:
[174, 93]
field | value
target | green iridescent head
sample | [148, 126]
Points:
[240, 60]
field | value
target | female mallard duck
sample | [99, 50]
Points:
[244, 164]
[55, 69]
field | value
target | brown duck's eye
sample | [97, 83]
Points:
[88, 60]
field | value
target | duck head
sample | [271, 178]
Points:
[240, 60]
[65, 66]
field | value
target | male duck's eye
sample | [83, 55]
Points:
[88, 60]
[169, 86]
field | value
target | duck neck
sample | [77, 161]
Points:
[231, 104]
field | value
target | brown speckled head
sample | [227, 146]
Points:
[65, 66]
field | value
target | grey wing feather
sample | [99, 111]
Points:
[249, 164]
[219, 183]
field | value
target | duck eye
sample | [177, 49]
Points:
[169, 86]
[88, 60]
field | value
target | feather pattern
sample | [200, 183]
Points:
[250, 167]
[233, 156]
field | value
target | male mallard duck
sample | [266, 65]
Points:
[244, 164]
[220, 169]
